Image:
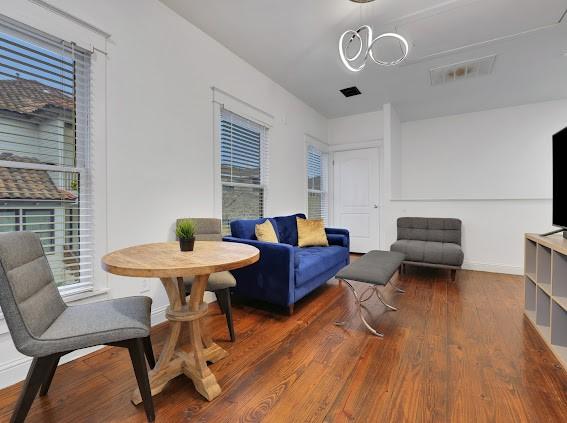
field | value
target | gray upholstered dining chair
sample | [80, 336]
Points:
[42, 326]
[209, 229]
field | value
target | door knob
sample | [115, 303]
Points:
[375, 206]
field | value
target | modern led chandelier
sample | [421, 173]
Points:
[363, 38]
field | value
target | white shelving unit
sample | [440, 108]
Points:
[545, 290]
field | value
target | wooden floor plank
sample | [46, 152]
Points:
[454, 352]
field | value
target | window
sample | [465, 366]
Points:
[243, 168]
[44, 148]
[317, 165]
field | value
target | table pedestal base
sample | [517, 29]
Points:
[173, 360]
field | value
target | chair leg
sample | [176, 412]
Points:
[149, 352]
[47, 382]
[221, 299]
[37, 374]
[228, 313]
[290, 309]
[136, 350]
[453, 274]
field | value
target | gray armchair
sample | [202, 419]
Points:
[430, 241]
[42, 326]
[209, 229]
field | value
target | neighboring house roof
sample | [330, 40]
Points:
[29, 184]
[26, 96]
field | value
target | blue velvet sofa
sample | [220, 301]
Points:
[285, 272]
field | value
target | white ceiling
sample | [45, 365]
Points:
[295, 42]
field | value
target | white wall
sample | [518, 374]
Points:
[160, 70]
[356, 128]
[494, 154]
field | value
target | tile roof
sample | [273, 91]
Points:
[26, 96]
[29, 184]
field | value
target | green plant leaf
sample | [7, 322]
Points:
[185, 229]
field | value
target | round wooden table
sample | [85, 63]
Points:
[167, 262]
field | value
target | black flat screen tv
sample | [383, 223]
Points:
[560, 180]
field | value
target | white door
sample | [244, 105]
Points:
[356, 193]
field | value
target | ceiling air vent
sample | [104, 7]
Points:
[350, 91]
[462, 70]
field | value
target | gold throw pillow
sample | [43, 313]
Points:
[265, 232]
[311, 233]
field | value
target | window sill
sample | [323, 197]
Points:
[70, 298]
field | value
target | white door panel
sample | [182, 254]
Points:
[356, 196]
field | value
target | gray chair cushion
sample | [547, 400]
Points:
[430, 229]
[220, 280]
[443, 253]
[97, 323]
[375, 267]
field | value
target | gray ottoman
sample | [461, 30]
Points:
[375, 268]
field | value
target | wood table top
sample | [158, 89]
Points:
[165, 260]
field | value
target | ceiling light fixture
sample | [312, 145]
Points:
[366, 44]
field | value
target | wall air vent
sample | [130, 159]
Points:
[350, 91]
[462, 70]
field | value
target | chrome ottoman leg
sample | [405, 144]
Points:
[396, 287]
[381, 298]
[358, 302]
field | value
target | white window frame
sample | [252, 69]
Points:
[311, 141]
[66, 27]
[222, 99]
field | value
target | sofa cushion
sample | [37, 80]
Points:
[312, 261]
[430, 229]
[287, 228]
[266, 232]
[246, 228]
[311, 233]
[446, 253]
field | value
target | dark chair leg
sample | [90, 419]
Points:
[47, 382]
[453, 274]
[228, 313]
[136, 350]
[223, 298]
[290, 309]
[37, 374]
[149, 351]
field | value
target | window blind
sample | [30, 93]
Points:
[244, 158]
[45, 166]
[317, 166]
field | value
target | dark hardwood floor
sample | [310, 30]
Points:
[455, 352]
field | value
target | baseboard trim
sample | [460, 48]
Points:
[493, 268]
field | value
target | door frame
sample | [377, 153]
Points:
[379, 145]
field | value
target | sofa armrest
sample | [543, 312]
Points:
[338, 236]
[335, 239]
[272, 278]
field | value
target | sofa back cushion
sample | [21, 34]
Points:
[287, 228]
[430, 229]
[246, 228]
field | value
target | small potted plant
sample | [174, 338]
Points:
[185, 233]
